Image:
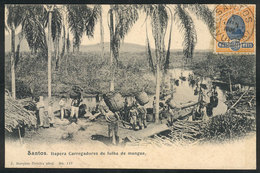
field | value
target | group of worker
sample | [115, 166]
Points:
[46, 114]
[204, 110]
[136, 114]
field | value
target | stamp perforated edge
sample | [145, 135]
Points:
[239, 53]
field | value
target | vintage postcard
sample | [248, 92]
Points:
[144, 86]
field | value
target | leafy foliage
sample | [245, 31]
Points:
[14, 17]
[203, 13]
[35, 20]
[159, 17]
[241, 68]
[227, 126]
[82, 18]
[186, 25]
[125, 17]
[56, 24]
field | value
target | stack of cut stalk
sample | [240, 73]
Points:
[187, 130]
[16, 115]
[218, 128]
[182, 132]
[243, 102]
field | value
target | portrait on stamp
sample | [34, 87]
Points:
[235, 28]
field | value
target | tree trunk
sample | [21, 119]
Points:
[17, 52]
[112, 86]
[57, 55]
[13, 62]
[230, 84]
[63, 45]
[68, 42]
[157, 93]
[101, 35]
[49, 55]
[158, 46]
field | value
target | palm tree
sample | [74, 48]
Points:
[14, 19]
[33, 28]
[121, 19]
[80, 19]
[49, 9]
[101, 32]
[159, 15]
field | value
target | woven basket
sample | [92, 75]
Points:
[114, 101]
[142, 98]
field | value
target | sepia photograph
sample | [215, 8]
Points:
[143, 86]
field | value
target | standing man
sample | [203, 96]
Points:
[40, 106]
[170, 115]
[75, 107]
[141, 116]
[126, 112]
[133, 116]
[50, 113]
[97, 103]
[62, 106]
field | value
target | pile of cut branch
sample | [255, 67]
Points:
[16, 115]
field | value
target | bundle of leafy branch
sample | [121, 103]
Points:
[228, 126]
[16, 115]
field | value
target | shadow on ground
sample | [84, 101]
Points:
[104, 139]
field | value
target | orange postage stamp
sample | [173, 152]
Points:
[235, 28]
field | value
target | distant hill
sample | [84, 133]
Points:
[125, 47]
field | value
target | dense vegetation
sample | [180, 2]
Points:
[87, 70]
[92, 73]
[242, 69]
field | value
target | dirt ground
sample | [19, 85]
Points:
[84, 131]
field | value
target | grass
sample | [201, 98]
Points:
[87, 70]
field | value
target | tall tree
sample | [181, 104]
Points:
[121, 20]
[49, 9]
[159, 16]
[101, 32]
[14, 19]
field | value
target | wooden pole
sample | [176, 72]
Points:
[13, 62]
[20, 137]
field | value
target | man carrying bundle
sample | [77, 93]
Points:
[112, 119]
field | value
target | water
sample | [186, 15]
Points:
[184, 93]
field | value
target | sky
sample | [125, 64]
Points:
[137, 34]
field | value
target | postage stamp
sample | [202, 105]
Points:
[235, 28]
